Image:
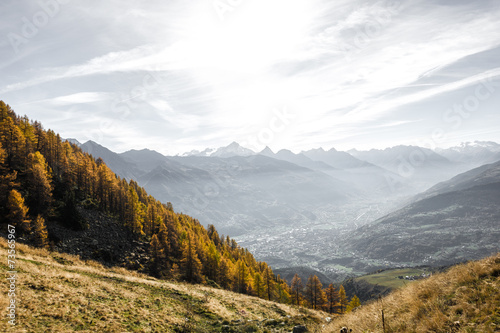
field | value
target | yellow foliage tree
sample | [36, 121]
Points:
[333, 298]
[342, 299]
[190, 263]
[40, 232]
[40, 187]
[355, 302]
[314, 292]
[17, 211]
[296, 288]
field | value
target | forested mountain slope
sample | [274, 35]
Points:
[47, 184]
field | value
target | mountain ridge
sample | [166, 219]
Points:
[455, 220]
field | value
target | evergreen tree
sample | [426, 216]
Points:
[40, 233]
[3, 157]
[332, 297]
[268, 281]
[190, 263]
[224, 273]
[342, 300]
[213, 234]
[241, 279]
[213, 258]
[157, 256]
[39, 186]
[355, 302]
[283, 291]
[17, 211]
[296, 288]
[258, 285]
[13, 142]
[314, 292]
[135, 212]
[7, 184]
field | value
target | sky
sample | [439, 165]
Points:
[180, 75]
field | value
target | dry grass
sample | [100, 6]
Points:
[464, 299]
[60, 293]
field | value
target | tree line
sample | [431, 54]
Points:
[45, 179]
[328, 299]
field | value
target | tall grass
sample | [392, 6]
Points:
[464, 299]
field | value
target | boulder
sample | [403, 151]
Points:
[300, 329]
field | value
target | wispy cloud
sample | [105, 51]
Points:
[343, 67]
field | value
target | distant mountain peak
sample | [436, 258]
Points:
[92, 144]
[233, 149]
[267, 152]
[314, 150]
[285, 151]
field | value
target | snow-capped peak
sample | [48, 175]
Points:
[234, 149]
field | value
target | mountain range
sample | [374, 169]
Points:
[329, 210]
[456, 219]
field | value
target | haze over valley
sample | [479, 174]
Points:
[338, 213]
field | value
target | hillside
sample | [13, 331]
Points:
[464, 299]
[455, 220]
[59, 197]
[60, 293]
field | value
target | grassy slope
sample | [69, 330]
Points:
[389, 278]
[468, 294]
[60, 293]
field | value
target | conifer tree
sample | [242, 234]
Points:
[190, 263]
[40, 233]
[342, 300]
[157, 255]
[7, 183]
[224, 273]
[296, 288]
[355, 302]
[241, 278]
[18, 211]
[212, 262]
[268, 281]
[258, 286]
[283, 291]
[13, 142]
[39, 186]
[332, 297]
[3, 156]
[314, 292]
[213, 234]
[135, 212]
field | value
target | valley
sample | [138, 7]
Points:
[321, 209]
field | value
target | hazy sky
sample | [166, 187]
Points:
[178, 75]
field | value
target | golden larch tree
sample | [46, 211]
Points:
[17, 211]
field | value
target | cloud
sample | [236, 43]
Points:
[79, 98]
[342, 66]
